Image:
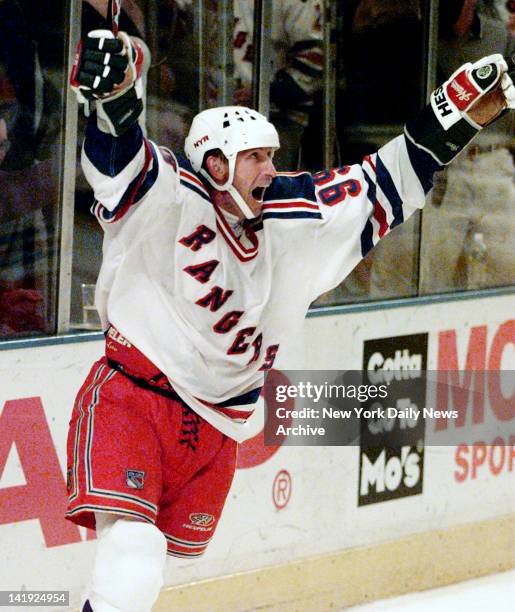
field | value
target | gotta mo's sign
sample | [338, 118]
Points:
[467, 403]
[392, 446]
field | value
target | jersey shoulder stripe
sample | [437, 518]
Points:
[289, 204]
[191, 182]
[190, 179]
[291, 215]
[299, 208]
[291, 196]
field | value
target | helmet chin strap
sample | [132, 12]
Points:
[240, 202]
[228, 186]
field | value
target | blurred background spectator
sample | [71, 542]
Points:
[297, 69]
[31, 54]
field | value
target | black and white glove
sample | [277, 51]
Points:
[107, 75]
[472, 98]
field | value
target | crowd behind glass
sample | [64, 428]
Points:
[462, 240]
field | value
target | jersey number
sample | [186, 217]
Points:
[334, 194]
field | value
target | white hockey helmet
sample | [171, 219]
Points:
[231, 129]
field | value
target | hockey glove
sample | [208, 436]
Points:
[107, 75]
[473, 97]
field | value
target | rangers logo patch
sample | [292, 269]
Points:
[135, 479]
[202, 519]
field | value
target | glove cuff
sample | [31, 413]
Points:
[115, 115]
[427, 133]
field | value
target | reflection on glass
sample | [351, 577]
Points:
[31, 71]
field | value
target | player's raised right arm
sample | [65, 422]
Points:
[116, 157]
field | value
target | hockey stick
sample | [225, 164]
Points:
[114, 8]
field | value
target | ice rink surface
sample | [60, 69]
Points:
[496, 593]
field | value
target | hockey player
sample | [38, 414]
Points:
[210, 264]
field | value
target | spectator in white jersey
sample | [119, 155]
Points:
[210, 264]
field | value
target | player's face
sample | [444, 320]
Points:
[253, 173]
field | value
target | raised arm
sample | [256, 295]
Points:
[472, 98]
[118, 162]
[360, 204]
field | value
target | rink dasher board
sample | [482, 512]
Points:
[41, 551]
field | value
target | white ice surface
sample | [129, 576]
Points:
[492, 593]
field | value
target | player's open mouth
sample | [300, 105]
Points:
[258, 193]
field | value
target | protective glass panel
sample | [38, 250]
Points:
[190, 47]
[469, 226]
[380, 85]
[292, 63]
[171, 31]
[31, 85]
[203, 55]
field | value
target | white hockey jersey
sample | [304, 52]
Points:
[212, 310]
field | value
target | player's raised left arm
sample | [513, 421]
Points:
[399, 176]
[361, 204]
